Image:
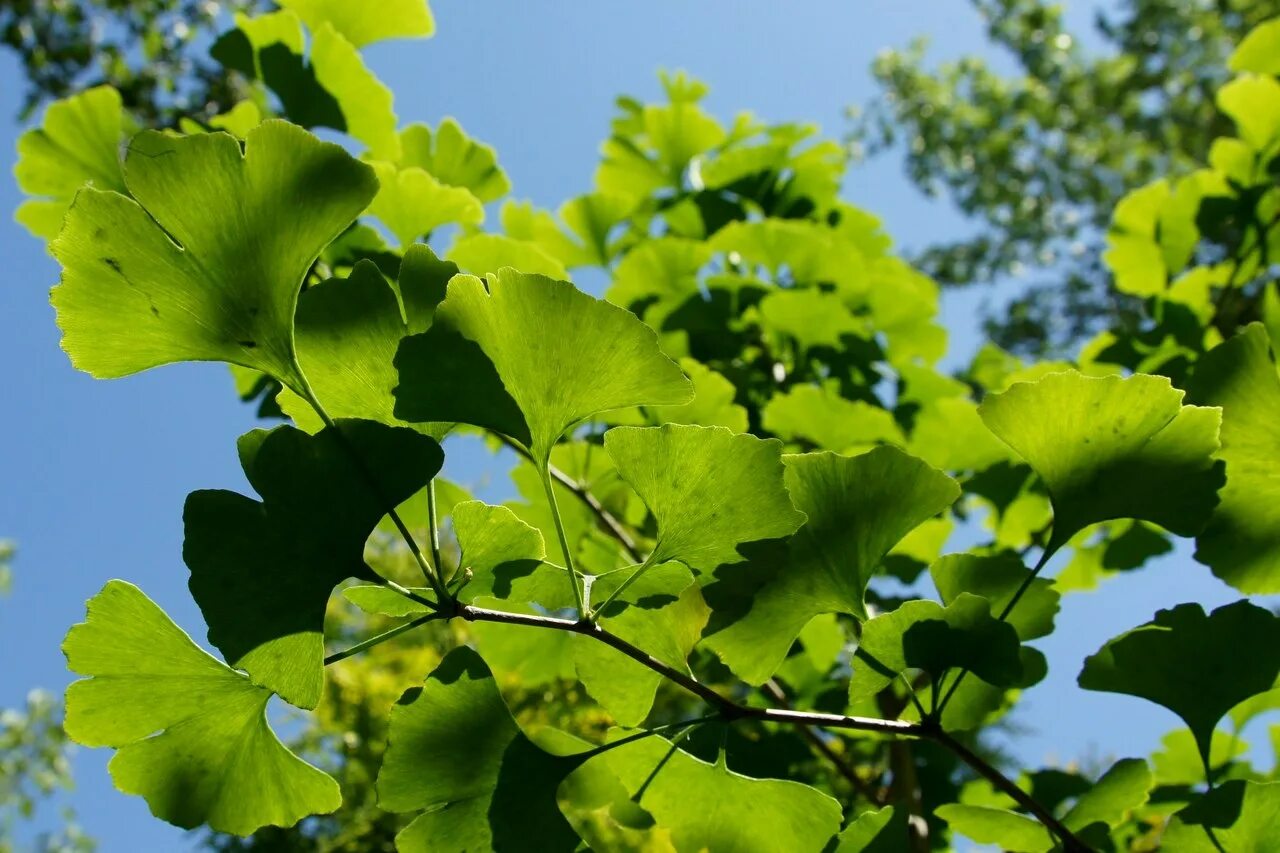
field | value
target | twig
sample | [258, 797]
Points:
[731, 710]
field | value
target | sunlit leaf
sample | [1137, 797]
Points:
[363, 24]
[541, 355]
[1112, 447]
[207, 263]
[191, 733]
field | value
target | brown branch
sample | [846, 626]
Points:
[731, 710]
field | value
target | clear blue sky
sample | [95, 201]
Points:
[95, 473]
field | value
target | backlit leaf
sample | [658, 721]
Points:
[1112, 447]
[555, 356]
[1242, 540]
[191, 733]
[363, 24]
[207, 263]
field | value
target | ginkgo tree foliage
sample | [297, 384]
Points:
[737, 477]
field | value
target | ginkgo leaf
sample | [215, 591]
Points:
[191, 733]
[496, 547]
[77, 144]
[555, 356]
[709, 807]
[713, 402]
[1240, 815]
[454, 158]
[857, 508]
[1009, 830]
[1259, 52]
[412, 202]
[1241, 543]
[997, 578]
[1191, 663]
[347, 332]
[948, 434]
[1253, 103]
[455, 751]
[811, 317]
[482, 254]
[710, 490]
[331, 88]
[875, 831]
[663, 614]
[1124, 787]
[663, 270]
[363, 24]
[828, 421]
[925, 635]
[263, 572]
[208, 262]
[1111, 447]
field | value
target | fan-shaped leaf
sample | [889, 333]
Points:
[207, 263]
[191, 733]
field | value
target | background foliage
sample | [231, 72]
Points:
[794, 320]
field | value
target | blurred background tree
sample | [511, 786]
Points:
[155, 52]
[1037, 158]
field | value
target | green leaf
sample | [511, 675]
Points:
[663, 614]
[1120, 790]
[712, 403]
[924, 635]
[1259, 52]
[555, 356]
[1192, 663]
[1241, 543]
[662, 271]
[206, 265]
[262, 573]
[366, 103]
[412, 203]
[497, 547]
[812, 317]
[874, 832]
[709, 807]
[454, 158]
[710, 490]
[988, 825]
[78, 144]
[191, 733]
[1112, 447]
[362, 24]
[347, 332]
[1253, 103]
[996, 578]
[483, 254]
[455, 751]
[857, 508]
[1241, 814]
[828, 421]
[948, 434]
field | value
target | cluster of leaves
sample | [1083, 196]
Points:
[728, 470]
[1040, 157]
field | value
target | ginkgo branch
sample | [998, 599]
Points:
[381, 638]
[730, 710]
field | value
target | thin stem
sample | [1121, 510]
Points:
[615, 528]
[730, 710]
[1071, 844]
[381, 638]
[308, 393]
[662, 762]
[641, 569]
[564, 542]
[641, 735]
[1004, 614]
[433, 528]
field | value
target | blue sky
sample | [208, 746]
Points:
[95, 473]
